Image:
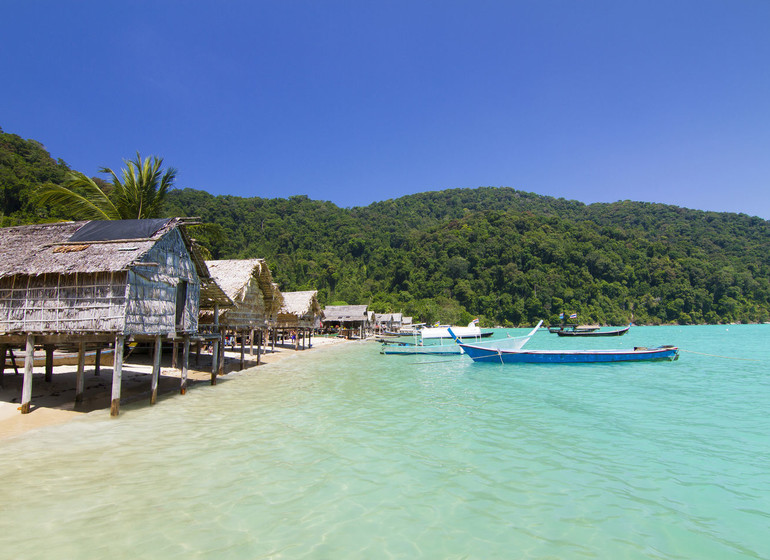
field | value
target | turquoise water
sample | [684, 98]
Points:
[346, 453]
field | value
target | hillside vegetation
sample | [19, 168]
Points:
[504, 255]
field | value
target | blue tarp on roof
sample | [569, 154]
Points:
[112, 230]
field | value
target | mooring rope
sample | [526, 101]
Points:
[717, 356]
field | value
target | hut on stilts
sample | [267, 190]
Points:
[300, 315]
[256, 302]
[351, 321]
[100, 283]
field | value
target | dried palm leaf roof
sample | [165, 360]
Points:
[233, 276]
[50, 249]
[345, 313]
[301, 303]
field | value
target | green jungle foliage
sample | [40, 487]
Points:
[506, 256]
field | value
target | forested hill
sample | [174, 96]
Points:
[506, 256]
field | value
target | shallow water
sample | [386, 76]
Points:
[345, 453]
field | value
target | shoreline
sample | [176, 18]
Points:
[54, 403]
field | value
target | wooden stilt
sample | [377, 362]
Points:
[80, 375]
[98, 363]
[251, 342]
[221, 357]
[49, 348]
[117, 375]
[29, 363]
[185, 363]
[155, 369]
[198, 353]
[259, 345]
[243, 350]
[174, 355]
[3, 352]
[214, 361]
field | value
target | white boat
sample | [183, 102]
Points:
[471, 331]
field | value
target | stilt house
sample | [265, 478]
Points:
[300, 314]
[352, 320]
[257, 300]
[99, 282]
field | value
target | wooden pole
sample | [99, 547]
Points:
[49, 362]
[243, 349]
[251, 342]
[98, 363]
[29, 363]
[174, 355]
[198, 353]
[259, 345]
[214, 361]
[155, 369]
[3, 353]
[185, 363]
[221, 356]
[117, 375]
[80, 375]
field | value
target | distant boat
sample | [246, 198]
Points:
[571, 328]
[614, 332]
[471, 331]
[497, 355]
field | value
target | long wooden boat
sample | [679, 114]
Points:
[615, 332]
[637, 354]
[571, 327]
[412, 350]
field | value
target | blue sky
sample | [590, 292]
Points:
[359, 101]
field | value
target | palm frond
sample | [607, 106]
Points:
[80, 197]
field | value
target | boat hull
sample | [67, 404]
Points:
[617, 332]
[480, 354]
[406, 350]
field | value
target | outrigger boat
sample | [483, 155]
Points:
[615, 332]
[406, 349]
[497, 354]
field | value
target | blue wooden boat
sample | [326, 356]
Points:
[596, 332]
[499, 355]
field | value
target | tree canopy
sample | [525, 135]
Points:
[507, 256]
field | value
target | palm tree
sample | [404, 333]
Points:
[139, 194]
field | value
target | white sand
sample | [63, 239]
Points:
[53, 403]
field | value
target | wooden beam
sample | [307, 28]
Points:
[3, 353]
[117, 375]
[29, 363]
[185, 363]
[155, 369]
[214, 361]
[80, 375]
[243, 348]
[49, 348]
[98, 362]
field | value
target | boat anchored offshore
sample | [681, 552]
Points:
[497, 354]
[406, 349]
[614, 332]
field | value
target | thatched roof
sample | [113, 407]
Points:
[301, 303]
[48, 249]
[345, 313]
[234, 275]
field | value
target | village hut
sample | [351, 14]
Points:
[352, 321]
[100, 283]
[257, 301]
[388, 322]
[299, 315]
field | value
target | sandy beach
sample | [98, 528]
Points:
[53, 402]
